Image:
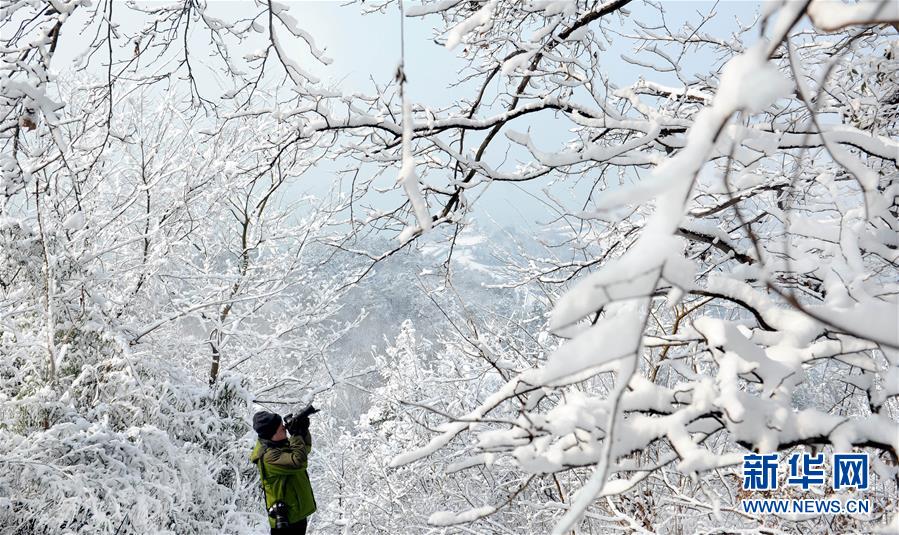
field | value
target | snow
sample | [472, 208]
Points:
[74, 221]
[293, 27]
[447, 518]
[409, 180]
[871, 319]
[470, 239]
[297, 74]
[624, 278]
[479, 18]
[833, 15]
[615, 336]
[427, 9]
[749, 82]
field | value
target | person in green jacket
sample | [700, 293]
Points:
[282, 470]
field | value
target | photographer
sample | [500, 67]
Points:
[282, 469]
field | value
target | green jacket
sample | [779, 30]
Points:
[282, 470]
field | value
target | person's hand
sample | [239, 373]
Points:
[298, 426]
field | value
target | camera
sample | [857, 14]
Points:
[305, 413]
[278, 511]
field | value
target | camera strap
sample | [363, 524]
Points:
[263, 476]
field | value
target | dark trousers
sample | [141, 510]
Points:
[298, 528]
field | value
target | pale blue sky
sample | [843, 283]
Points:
[366, 47]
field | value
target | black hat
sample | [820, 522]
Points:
[266, 424]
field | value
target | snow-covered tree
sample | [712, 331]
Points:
[733, 245]
[132, 282]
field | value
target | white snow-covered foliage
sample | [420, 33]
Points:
[716, 272]
[369, 494]
[148, 256]
[129, 447]
[97, 433]
[727, 277]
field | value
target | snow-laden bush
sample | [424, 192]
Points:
[99, 435]
[131, 291]
[122, 446]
